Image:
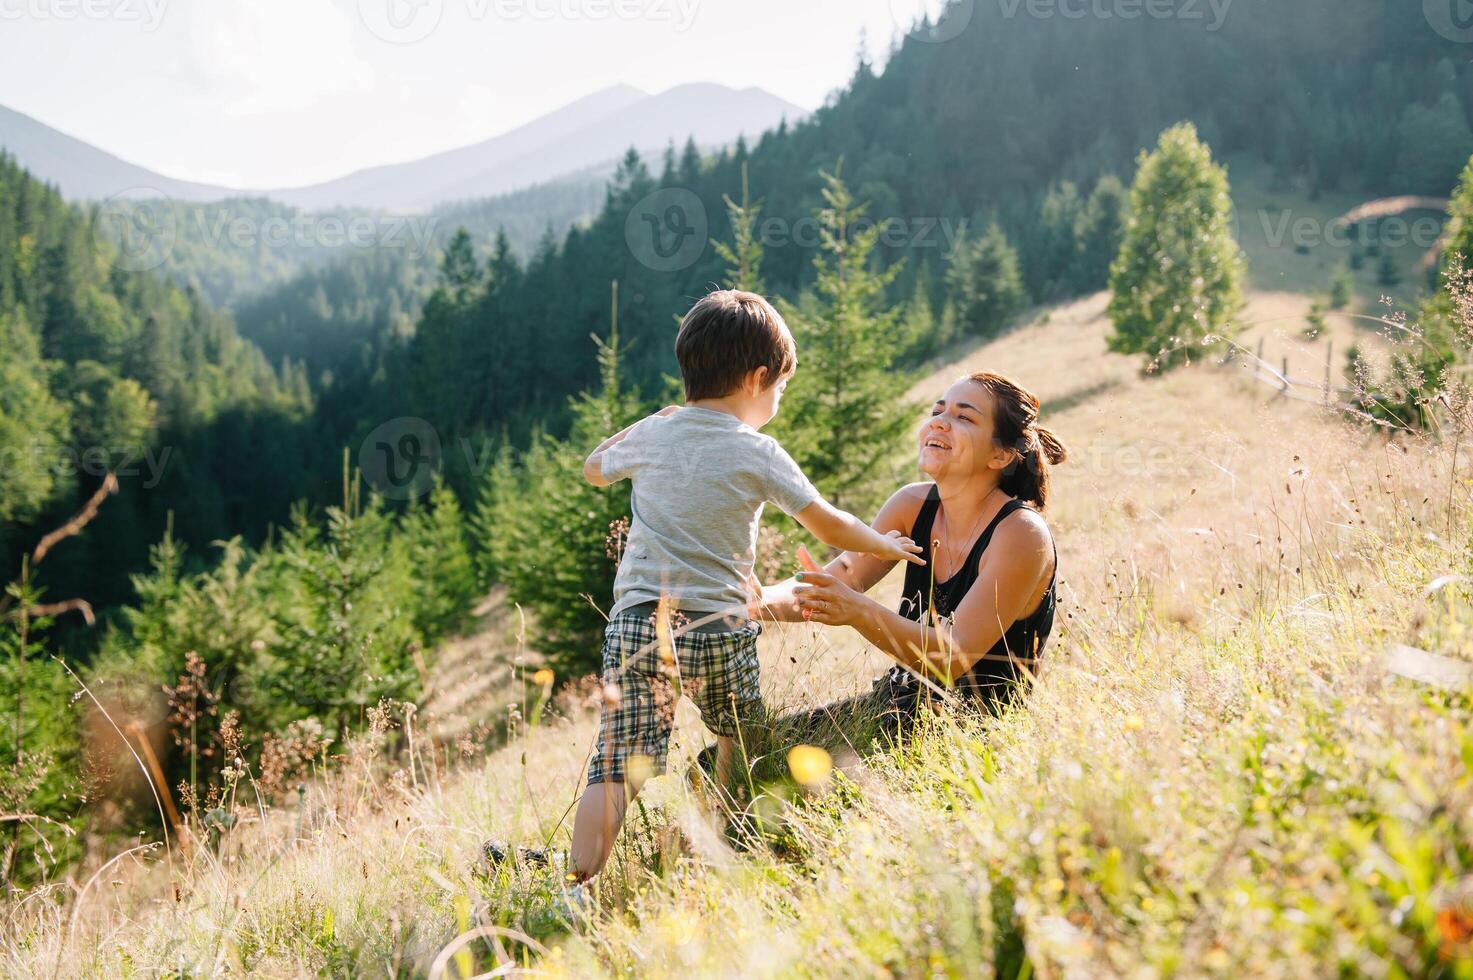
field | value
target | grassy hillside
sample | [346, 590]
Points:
[1215, 774]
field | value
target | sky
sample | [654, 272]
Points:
[279, 93]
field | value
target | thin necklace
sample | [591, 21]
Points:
[950, 554]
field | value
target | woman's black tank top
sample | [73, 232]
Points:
[993, 677]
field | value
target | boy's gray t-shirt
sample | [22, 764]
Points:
[701, 478]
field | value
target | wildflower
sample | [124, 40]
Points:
[1455, 927]
[543, 677]
[639, 769]
[809, 764]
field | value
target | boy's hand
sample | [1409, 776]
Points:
[901, 548]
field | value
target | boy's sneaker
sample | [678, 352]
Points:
[495, 853]
[574, 905]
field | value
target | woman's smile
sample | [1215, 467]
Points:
[936, 442]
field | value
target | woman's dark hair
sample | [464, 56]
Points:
[1015, 425]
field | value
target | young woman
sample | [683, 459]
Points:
[979, 612]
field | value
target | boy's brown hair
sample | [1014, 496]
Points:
[728, 335]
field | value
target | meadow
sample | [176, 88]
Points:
[1215, 774]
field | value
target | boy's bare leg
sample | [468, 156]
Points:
[595, 828]
[726, 752]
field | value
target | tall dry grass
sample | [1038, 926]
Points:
[1214, 774]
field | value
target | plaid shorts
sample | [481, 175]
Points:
[718, 671]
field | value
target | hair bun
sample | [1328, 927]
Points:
[1053, 450]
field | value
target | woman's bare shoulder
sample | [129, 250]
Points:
[1025, 531]
[904, 505]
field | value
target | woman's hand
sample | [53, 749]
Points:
[824, 599]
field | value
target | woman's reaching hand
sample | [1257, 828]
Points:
[822, 598]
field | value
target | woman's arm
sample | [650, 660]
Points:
[1008, 582]
[859, 571]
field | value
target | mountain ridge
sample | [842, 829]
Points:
[589, 132]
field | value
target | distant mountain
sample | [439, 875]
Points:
[586, 134]
[419, 184]
[712, 115]
[83, 172]
[592, 131]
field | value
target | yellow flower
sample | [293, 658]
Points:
[809, 764]
[1134, 723]
[544, 678]
[663, 634]
[638, 769]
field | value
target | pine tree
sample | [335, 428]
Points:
[1177, 278]
[985, 283]
[845, 419]
[33, 425]
[345, 623]
[1342, 289]
[1457, 245]
[440, 555]
[743, 256]
[1097, 235]
[459, 272]
[1387, 274]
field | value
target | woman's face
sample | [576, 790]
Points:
[957, 440]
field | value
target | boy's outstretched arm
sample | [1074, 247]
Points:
[840, 529]
[593, 466]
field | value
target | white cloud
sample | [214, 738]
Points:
[273, 55]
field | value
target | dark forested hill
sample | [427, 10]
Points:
[1020, 121]
[109, 368]
[1012, 120]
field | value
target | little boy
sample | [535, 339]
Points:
[701, 476]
